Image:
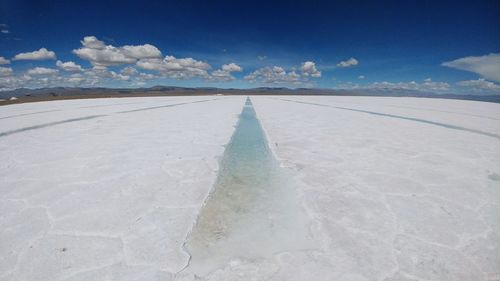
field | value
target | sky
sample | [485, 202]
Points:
[432, 46]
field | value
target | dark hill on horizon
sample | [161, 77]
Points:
[42, 94]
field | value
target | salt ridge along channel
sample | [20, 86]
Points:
[253, 211]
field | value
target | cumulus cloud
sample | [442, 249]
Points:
[361, 77]
[100, 72]
[13, 82]
[92, 42]
[138, 78]
[146, 57]
[42, 71]
[42, 54]
[130, 71]
[177, 68]
[426, 85]
[480, 85]
[273, 75]
[76, 79]
[220, 75]
[278, 75]
[348, 63]
[97, 75]
[8, 83]
[118, 76]
[232, 67]
[5, 71]
[4, 61]
[224, 74]
[103, 57]
[141, 51]
[145, 76]
[98, 53]
[69, 66]
[48, 77]
[308, 68]
[487, 66]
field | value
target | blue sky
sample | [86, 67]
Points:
[440, 47]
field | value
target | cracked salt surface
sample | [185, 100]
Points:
[253, 211]
[449, 126]
[386, 198]
[119, 192]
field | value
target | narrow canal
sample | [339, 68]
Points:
[252, 211]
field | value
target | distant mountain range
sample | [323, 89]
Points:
[66, 92]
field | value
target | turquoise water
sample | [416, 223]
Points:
[253, 211]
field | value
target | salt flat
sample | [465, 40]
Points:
[392, 188]
[392, 198]
[107, 198]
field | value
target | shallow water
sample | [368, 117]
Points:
[253, 210]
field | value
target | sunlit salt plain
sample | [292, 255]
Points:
[123, 189]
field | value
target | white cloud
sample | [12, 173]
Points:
[232, 67]
[425, 85]
[428, 84]
[76, 79]
[224, 74]
[220, 75]
[487, 66]
[130, 71]
[42, 71]
[42, 54]
[99, 75]
[141, 51]
[172, 67]
[480, 85]
[412, 85]
[348, 63]
[274, 75]
[13, 82]
[138, 78]
[278, 75]
[118, 76]
[145, 76]
[43, 80]
[146, 57]
[279, 70]
[5, 71]
[4, 61]
[361, 77]
[262, 57]
[92, 42]
[98, 53]
[48, 77]
[101, 72]
[8, 83]
[69, 66]
[309, 69]
[105, 57]
[4, 28]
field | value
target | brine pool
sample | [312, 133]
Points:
[253, 211]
